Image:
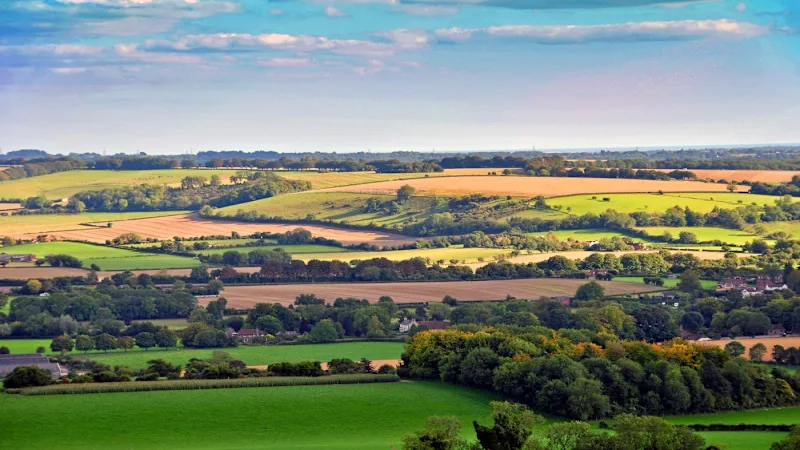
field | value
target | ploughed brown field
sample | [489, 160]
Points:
[769, 342]
[247, 296]
[191, 225]
[764, 176]
[531, 186]
[9, 206]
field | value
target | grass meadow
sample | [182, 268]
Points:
[591, 235]
[335, 179]
[335, 417]
[668, 282]
[107, 258]
[699, 201]
[455, 252]
[299, 249]
[65, 184]
[727, 235]
[253, 356]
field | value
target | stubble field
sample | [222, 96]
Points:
[417, 292]
[531, 186]
[748, 342]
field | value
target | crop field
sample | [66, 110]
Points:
[727, 235]
[65, 184]
[530, 186]
[581, 254]
[191, 225]
[107, 258]
[764, 176]
[417, 292]
[31, 225]
[213, 242]
[433, 254]
[696, 201]
[252, 418]
[9, 206]
[291, 249]
[668, 282]
[251, 355]
[335, 179]
[769, 342]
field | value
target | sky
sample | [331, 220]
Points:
[176, 76]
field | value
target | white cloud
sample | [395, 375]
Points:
[275, 11]
[68, 70]
[132, 51]
[632, 31]
[427, 10]
[401, 40]
[287, 62]
[332, 11]
[741, 7]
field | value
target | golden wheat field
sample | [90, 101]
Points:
[531, 186]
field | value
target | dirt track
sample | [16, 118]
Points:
[247, 296]
[191, 225]
[531, 186]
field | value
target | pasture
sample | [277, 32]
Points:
[670, 283]
[530, 186]
[251, 355]
[300, 249]
[456, 252]
[192, 226]
[591, 235]
[107, 258]
[418, 292]
[275, 418]
[707, 233]
[790, 228]
[66, 184]
[27, 226]
[340, 207]
[324, 180]
[627, 203]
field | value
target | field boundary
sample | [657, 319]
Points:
[182, 385]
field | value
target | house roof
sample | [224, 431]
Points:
[407, 322]
[250, 332]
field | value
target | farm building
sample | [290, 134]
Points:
[245, 334]
[407, 324]
[732, 283]
[10, 362]
[563, 299]
[7, 258]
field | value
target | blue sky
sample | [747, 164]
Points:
[170, 76]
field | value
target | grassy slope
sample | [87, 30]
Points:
[730, 236]
[108, 258]
[435, 254]
[790, 228]
[257, 355]
[291, 249]
[700, 202]
[591, 234]
[64, 184]
[335, 179]
[44, 223]
[668, 282]
[370, 416]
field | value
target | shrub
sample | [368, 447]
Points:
[27, 376]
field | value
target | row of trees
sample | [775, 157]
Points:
[161, 337]
[600, 378]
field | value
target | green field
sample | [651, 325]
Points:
[727, 235]
[339, 207]
[790, 228]
[254, 356]
[743, 440]
[668, 282]
[433, 254]
[45, 223]
[291, 249]
[334, 179]
[366, 416]
[56, 186]
[107, 258]
[591, 235]
[700, 202]
[543, 214]
[219, 242]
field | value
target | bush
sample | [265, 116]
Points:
[387, 370]
[27, 376]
